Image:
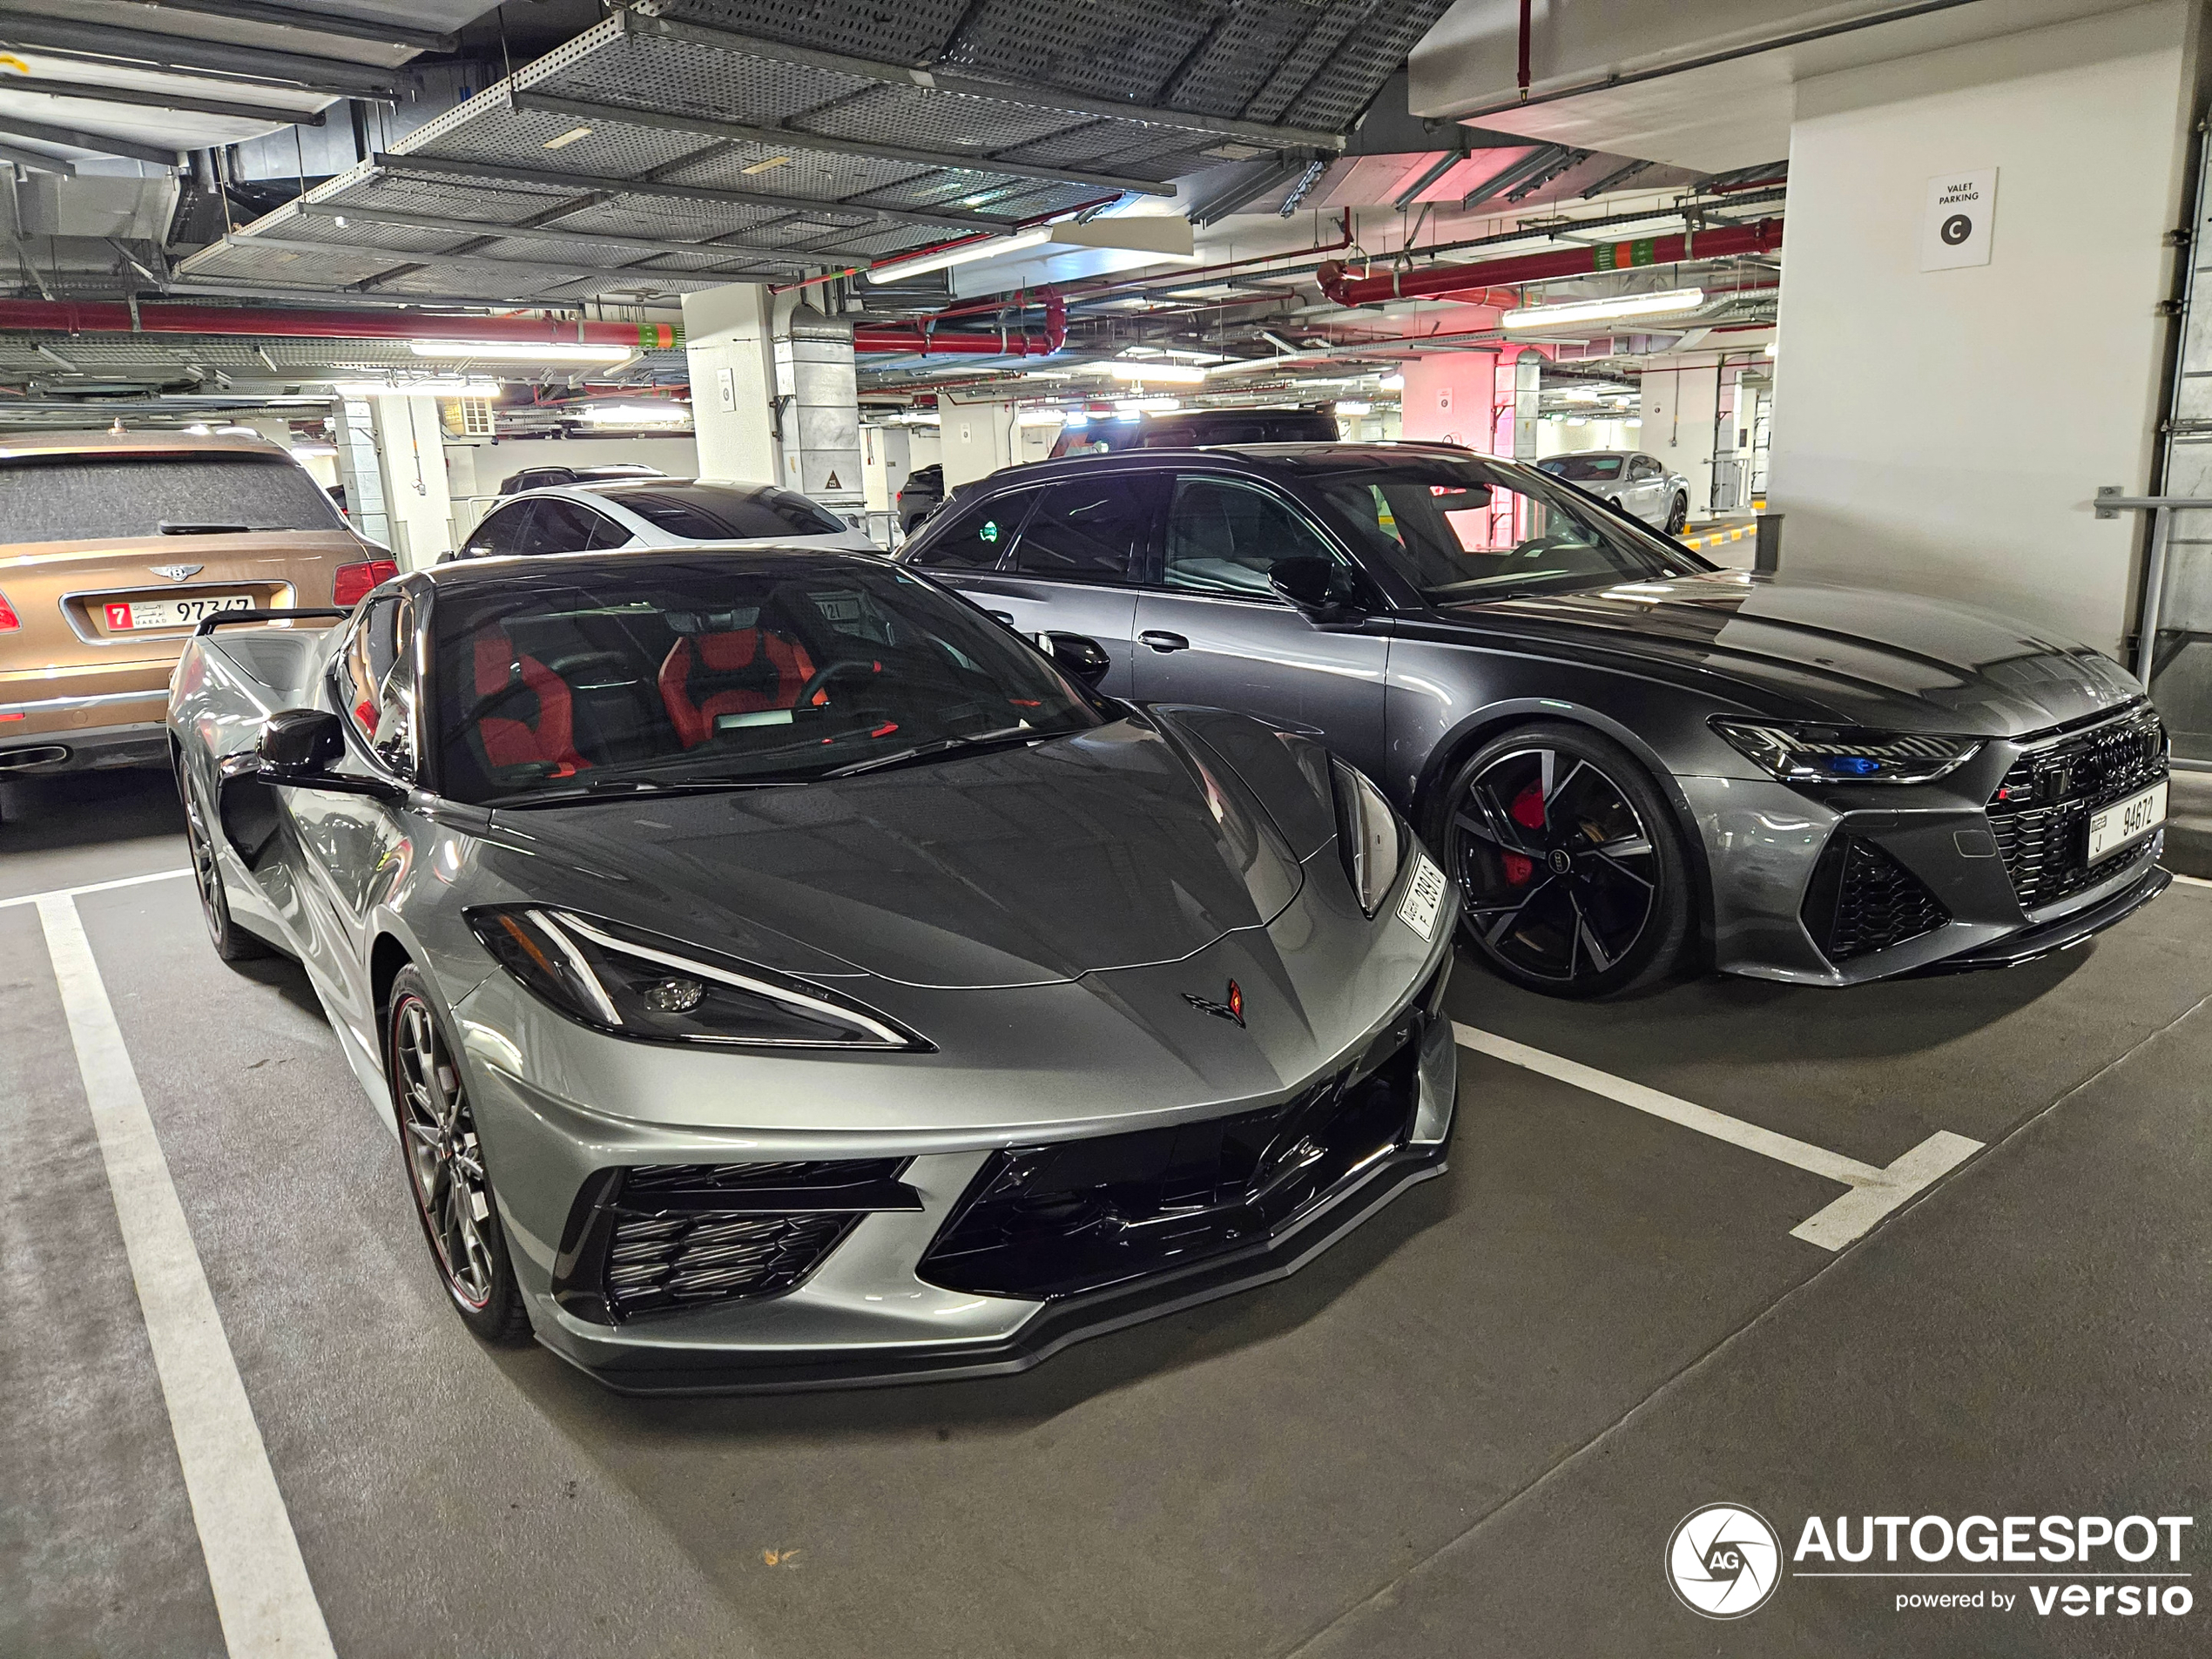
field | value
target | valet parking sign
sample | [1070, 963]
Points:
[1961, 215]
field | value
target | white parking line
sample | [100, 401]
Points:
[262, 1593]
[2189, 880]
[96, 887]
[1874, 1192]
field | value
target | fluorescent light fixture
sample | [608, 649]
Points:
[1352, 406]
[1578, 395]
[1039, 417]
[568, 137]
[763, 166]
[434, 385]
[1161, 237]
[662, 413]
[1077, 418]
[1146, 406]
[1605, 310]
[1163, 374]
[989, 248]
[502, 351]
[1392, 383]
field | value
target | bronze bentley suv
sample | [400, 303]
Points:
[112, 547]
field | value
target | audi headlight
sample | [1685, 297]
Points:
[635, 984]
[1368, 835]
[1846, 754]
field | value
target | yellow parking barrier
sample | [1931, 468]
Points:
[1717, 536]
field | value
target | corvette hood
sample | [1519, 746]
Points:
[1105, 849]
[1851, 655]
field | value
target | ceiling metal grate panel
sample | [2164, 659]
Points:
[1295, 66]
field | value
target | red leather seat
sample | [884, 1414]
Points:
[741, 671]
[520, 734]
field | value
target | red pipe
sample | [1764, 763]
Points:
[1442, 280]
[76, 317]
[924, 338]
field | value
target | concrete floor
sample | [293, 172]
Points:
[1469, 1430]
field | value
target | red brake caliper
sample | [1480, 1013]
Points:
[1528, 811]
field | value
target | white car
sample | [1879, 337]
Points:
[654, 513]
[1632, 481]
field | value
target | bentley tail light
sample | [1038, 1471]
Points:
[9, 621]
[352, 582]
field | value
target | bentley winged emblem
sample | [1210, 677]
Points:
[1232, 1008]
[177, 572]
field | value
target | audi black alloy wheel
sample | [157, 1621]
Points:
[1571, 870]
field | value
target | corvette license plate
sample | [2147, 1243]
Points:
[1424, 895]
[2126, 822]
[124, 615]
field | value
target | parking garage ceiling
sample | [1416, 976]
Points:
[686, 144]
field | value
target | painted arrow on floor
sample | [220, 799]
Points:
[1873, 1192]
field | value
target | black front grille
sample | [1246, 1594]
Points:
[1051, 1221]
[661, 1237]
[1862, 899]
[2040, 812]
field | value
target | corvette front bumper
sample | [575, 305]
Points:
[924, 1136]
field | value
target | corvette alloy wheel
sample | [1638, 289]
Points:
[444, 1161]
[232, 943]
[1557, 867]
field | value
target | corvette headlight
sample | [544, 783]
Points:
[1368, 835]
[635, 984]
[1846, 754]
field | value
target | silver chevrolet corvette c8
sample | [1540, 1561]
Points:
[781, 975]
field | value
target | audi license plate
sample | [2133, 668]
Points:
[124, 615]
[2126, 822]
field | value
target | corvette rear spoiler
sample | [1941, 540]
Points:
[224, 618]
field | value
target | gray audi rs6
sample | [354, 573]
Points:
[779, 974]
[1629, 760]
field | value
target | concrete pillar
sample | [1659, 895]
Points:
[1519, 382]
[1681, 398]
[729, 342]
[1450, 397]
[1941, 427]
[886, 454]
[410, 450]
[359, 471]
[979, 437]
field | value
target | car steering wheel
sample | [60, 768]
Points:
[822, 676]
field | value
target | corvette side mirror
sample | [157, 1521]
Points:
[299, 747]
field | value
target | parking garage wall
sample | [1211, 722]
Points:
[1944, 431]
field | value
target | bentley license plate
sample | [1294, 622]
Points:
[1423, 894]
[124, 615]
[2126, 822]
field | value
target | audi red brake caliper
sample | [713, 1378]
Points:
[1528, 811]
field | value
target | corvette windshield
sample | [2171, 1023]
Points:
[1460, 530]
[713, 672]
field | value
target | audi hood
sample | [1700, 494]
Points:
[1855, 656]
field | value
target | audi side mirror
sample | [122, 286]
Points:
[1323, 590]
[1079, 658]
